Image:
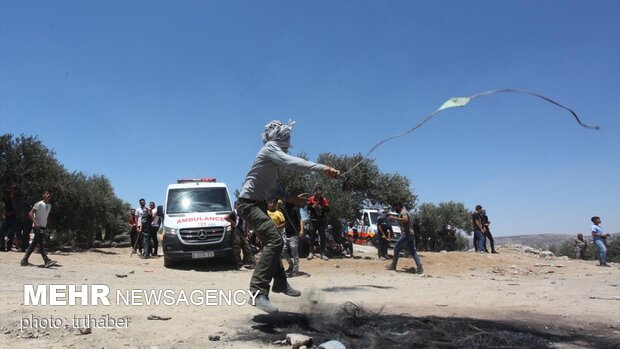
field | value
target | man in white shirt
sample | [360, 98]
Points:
[143, 217]
[38, 215]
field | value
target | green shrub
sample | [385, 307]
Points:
[567, 248]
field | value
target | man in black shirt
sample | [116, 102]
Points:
[384, 231]
[478, 227]
[9, 220]
[240, 241]
[487, 234]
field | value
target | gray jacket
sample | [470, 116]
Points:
[261, 183]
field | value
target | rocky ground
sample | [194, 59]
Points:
[518, 298]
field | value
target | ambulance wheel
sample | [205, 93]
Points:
[168, 263]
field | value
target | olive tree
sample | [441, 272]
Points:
[83, 206]
[433, 219]
[365, 187]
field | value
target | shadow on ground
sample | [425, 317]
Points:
[207, 265]
[357, 327]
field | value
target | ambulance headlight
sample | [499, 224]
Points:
[170, 231]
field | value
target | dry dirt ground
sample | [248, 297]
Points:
[461, 301]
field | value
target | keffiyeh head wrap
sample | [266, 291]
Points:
[279, 132]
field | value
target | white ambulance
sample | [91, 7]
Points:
[366, 227]
[195, 227]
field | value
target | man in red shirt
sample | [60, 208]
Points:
[133, 231]
[318, 208]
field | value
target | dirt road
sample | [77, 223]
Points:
[573, 304]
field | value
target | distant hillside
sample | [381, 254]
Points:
[541, 241]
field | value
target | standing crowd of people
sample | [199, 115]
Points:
[318, 239]
[144, 223]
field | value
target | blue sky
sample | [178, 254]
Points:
[145, 92]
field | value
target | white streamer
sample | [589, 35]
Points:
[461, 102]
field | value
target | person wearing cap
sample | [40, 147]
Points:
[476, 220]
[261, 184]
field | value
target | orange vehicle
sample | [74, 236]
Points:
[366, 228]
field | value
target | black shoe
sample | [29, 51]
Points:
[420, 270]
[49, 263]
[390, 267]
[495, 252]
[262, 302]
[23, 263]
[287, 290]
[604, 265]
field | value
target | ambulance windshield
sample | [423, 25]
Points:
[189, 200]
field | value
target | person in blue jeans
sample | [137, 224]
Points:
[384, 231]
[599, 238]
[479, 230]
[406, 238]
[143, 216]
